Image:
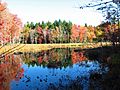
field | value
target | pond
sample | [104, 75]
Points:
[55, 69]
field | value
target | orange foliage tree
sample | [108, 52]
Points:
[74, 33]
[82, 34]
[10, 25]
[91, 33]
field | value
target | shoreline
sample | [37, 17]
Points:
[39, 47]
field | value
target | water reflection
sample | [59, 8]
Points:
[54, 69]
[77, 56]
[54, 58]
[10, 69]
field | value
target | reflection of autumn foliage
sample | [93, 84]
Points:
[45, 57]
[57, 57]
[10, 69]
[77, 56]
[40, 59]
[52, 54]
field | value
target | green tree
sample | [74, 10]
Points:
[43, 25]
[32, 26]
[25, 33]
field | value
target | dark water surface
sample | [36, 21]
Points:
[56, 69]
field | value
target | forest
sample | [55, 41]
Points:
[13, 31]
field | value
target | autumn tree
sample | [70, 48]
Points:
[82, 34]
[25, 34]
[10, 25]
[111, 12]
[91, 33]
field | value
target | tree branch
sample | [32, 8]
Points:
[95, 5]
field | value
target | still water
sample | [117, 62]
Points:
[56, 69]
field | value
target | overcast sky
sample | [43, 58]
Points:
[50, 10]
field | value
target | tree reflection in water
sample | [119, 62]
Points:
[10, 69]
[55, 69]
[78, 56]
[54, 58]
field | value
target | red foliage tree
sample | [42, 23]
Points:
[39, 30]
[10, 25]
[74, 33]
[78, 33]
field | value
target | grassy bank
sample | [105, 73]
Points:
[39, 47]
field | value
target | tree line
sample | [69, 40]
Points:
[65, 32]
[12, 31]
[57, 32]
